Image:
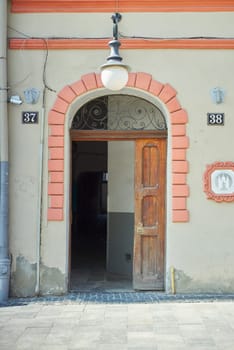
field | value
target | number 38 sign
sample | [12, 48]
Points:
[29, 117]
[215, 118]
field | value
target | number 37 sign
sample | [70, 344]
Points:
[30, 117]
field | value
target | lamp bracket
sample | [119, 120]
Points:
[116, 18]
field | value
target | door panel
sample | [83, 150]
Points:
[150, 172]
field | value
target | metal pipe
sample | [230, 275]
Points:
[4, 187]
[39, 205]
[173, 280]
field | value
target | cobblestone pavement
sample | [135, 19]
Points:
[99, 296]
[118, 321]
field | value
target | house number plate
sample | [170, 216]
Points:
[30, 117]
[215, 118]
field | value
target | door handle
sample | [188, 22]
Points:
[140, 229]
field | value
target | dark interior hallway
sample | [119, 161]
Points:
[89, 220]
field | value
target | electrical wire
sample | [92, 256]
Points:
[123, 36]
[44, 78]
[174, 37]
[46, 86]
[19, 32]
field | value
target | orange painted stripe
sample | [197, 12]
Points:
[28, 6]
[128, 44]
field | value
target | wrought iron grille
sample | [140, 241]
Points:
[92, 116]
[119, 112]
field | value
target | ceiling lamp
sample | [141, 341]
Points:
[114, 74]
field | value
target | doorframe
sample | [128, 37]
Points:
[115, 135]
[105, 135]
[73, 96]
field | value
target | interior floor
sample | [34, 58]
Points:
[89, 268]
[90, 278]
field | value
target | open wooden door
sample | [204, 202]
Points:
[150, 173]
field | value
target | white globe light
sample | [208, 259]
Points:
[114, 77]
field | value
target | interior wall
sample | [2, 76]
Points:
[120, 207]
[89, 162]
[85, 159]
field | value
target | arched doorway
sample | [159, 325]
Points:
[118, 194]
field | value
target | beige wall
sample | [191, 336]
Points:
[132, 24]
[121, 176]
[200, 250]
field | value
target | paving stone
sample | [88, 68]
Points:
[172, 347]
[113, 337]
[87, 329]
[136, 327]
[83, 323]
[205, 341]
[52, 347]
[115, 321]
[57, 340]
[111, 347]
[167, 329]
[144, 347]
[201, 347]
[141, 339]
[170, 339]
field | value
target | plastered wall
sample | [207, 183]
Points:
[201, 249]
[100, 25]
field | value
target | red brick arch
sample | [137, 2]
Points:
[142, 81]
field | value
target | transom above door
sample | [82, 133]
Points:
[119, 112]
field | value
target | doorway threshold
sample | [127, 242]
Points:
[84, 281]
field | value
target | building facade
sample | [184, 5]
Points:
[144, 175]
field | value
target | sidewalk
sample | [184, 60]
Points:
[70, 323]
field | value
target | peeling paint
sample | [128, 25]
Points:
[182, 281]
[186, 284]
[52, 281]
[23, 279]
